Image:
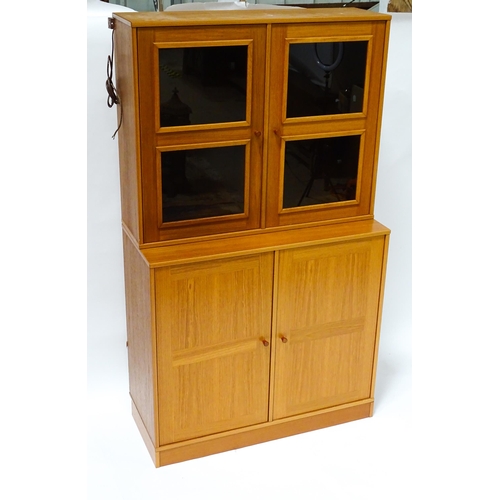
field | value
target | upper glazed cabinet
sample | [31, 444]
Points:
[237, 121]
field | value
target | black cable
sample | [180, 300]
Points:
[113, 97]
[330, 67]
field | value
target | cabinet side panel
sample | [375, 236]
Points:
[379, 315]
[127, 135]
[139, 333]
[383, 30]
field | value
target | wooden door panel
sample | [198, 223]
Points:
[326, 321]
[306, 138]
[219, 204]
[212, 318]
[221, 393]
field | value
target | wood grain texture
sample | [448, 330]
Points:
[128, 138]
[144, 433]
[248, 327]
[140, 336]
[267, 43]
[213, 319]
[327, 311]
[366, 124]
[256, 242]
[379, 315]
[382, 69]
[156, 139]
[228, 17]
[259, 434]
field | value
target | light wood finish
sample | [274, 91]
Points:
[128, 137]
[256, 242]
[379, 317]
[233, 17]
[267, 34]
[213, 365]
[366, 124]
[261, 325]
[144, 433]
[269, 431]
[156, 139]
[327, 302]
[140, 334]
[212, 317]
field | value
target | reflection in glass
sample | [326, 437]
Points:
[200, 85]
[326, 78]
[199, 183]
[319, 171]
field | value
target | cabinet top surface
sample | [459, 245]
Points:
[230, 246]
[241, 16]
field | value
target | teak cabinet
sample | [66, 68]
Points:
[254, 270]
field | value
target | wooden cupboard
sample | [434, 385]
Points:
[254, 269]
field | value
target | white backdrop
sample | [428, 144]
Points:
[345, 462]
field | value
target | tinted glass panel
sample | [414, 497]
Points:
[200, 85]
[198, 183]
[320, 171]
[326, 78]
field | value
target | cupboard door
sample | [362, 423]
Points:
[327, 311]
[201, 95]
[325, 111]
[213, 345]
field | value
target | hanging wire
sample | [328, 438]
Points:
[113, 97]
[328, 68]
[338, 59]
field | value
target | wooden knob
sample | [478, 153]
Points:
[265, 342]
[283, 339]
[258, 133]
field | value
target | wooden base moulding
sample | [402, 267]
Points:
[240, 438]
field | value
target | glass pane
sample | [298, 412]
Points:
[319, 171]
[198, 183]
[200, 85]
[326, 78]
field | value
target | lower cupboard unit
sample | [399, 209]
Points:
[249, 338]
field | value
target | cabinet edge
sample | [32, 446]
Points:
[240, 438]
[259, 243]
[144, 433]
[261, 16]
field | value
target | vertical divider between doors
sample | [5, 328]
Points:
[265, 131]
[274, 334]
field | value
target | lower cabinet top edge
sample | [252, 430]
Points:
[234, 246]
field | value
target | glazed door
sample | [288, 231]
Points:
[201, 94]
[213, 346]
[324, 121]
[327, 310]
